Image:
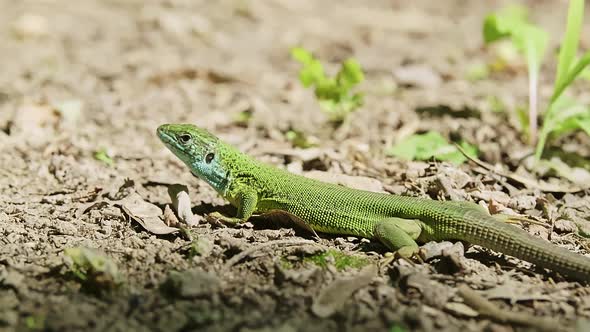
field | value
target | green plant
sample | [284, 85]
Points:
[431, 145]
[299, 139]
[93, 268]
[397, 328]
[340, 260]
[35, 322]
[512, 22]
[103, 155]
[334, 94]
[563, 114]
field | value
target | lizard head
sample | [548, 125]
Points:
[200, 150]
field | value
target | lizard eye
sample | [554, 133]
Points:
[185, 138]
[209, 157]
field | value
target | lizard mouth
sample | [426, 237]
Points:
[164, 135]
[168, 137]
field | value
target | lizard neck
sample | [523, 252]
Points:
[233, 170]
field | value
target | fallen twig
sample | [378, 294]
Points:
[486, 308]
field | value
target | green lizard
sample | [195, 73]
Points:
[399, 222]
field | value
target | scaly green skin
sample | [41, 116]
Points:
[397, 221]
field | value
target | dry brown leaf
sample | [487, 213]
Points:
[146, 214]
[182, 204]
[169, 217]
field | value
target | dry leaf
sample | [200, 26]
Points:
[146, 214]
[182, 204]
[170, 217]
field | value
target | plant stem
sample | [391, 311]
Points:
[533, 69]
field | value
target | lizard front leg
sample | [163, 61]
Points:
[245, 200]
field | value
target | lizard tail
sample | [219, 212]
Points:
[482, 229]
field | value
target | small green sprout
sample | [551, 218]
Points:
[334, 94]
[299, 139]
[563, 114]
[102, 155]
[243, 117]
[92, 268]
[286, 264]
[340, 260]
[397, 328]
[512, 22]
[431, 145]
[35, 323]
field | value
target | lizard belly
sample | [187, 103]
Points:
[322, 217]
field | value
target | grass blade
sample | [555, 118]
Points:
[571, 75]
[569, 47]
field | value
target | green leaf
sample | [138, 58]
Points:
[397, 328]
[35, 323]
[569, 46]
[93, 267]
[584, 124]
[493, 31]
[512, 22]
[302, 55]
[571, 120]
[243, 117]
[451, 154]
[312, 74]
[502, 24]
[564, 116]
[430, 145]
[312, 71]
[102, 155]
[585, 74]
[298, 139]
[333, 94]
[328, 89]
[417, 146]
[350, 74]
[532, 41]
[577, 69]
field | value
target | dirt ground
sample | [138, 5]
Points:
[81, 79]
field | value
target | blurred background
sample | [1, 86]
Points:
[381, 89]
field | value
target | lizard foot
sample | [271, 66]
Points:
[219, 220]
[408, 254]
